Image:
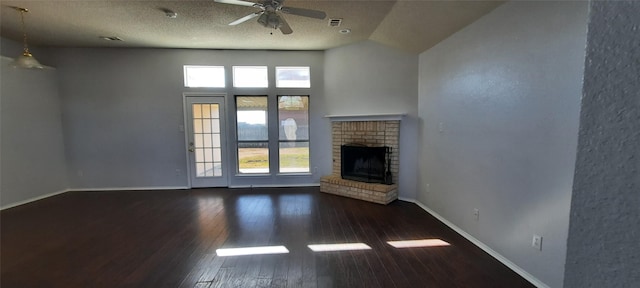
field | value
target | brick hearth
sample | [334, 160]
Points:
[370, 133]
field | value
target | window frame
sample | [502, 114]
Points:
[308, 140]
[238, 141]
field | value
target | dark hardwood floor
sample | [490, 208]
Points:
[169, 239]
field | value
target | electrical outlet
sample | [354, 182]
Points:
[428, 187]
[476, 214]
[536, 242]
[178, 172]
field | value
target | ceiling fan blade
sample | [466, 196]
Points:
[284, 27]
[237, 2]
[304, 12]
[246, 18]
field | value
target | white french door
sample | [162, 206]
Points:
[206, 142]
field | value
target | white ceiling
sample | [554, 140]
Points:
[410, 25]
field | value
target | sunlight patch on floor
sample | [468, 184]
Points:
[338, 247]
[418, 243]
[252, 251]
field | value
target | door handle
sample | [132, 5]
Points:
[191, 148]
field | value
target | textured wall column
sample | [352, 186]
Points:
[603, 248]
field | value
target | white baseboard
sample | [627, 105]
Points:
[128, 188]
[481, 245]
[276, 185]
[33, 199]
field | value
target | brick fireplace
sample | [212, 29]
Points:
[372, 131]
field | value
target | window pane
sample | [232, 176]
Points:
[252, 118]
[253, 157]
[294, 157]
[253, 136]
[293, 77]
[250, 76]
[204, 76]
[293, 117]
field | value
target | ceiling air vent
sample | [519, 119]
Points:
[335, 22]
[111, 38]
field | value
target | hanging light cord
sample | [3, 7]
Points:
[24, 31]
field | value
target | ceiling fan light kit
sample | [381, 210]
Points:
[269, 15]
[26, 60]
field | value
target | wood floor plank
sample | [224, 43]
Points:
[169, 239]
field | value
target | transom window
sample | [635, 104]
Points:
[204, 76]
[293, 77]
[250, 77]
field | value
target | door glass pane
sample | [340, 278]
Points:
[217, 169]
[198, 140]
[217, 155]
[206, 111]
[208, 167]
[208, 155]
[199, 155]
[215, 113]
[197, 125]
[197, 111]
[215, 125]
[207, 130]
[200, 170]
[206, 126]
[216, 140]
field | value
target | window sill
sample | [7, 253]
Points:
[295, 174]
[253, 175]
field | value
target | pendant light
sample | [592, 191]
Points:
[26, 60]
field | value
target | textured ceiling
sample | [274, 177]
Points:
[411, 25]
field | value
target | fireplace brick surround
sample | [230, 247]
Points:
[373, 133]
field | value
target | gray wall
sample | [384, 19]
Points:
[499, 105]
[369, 78]
[603, 248]
[32, 161]
[123, 108]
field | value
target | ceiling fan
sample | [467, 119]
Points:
[268, 15]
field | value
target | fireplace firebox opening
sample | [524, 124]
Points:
[366, 164]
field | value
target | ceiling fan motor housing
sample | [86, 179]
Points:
[270, 20]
